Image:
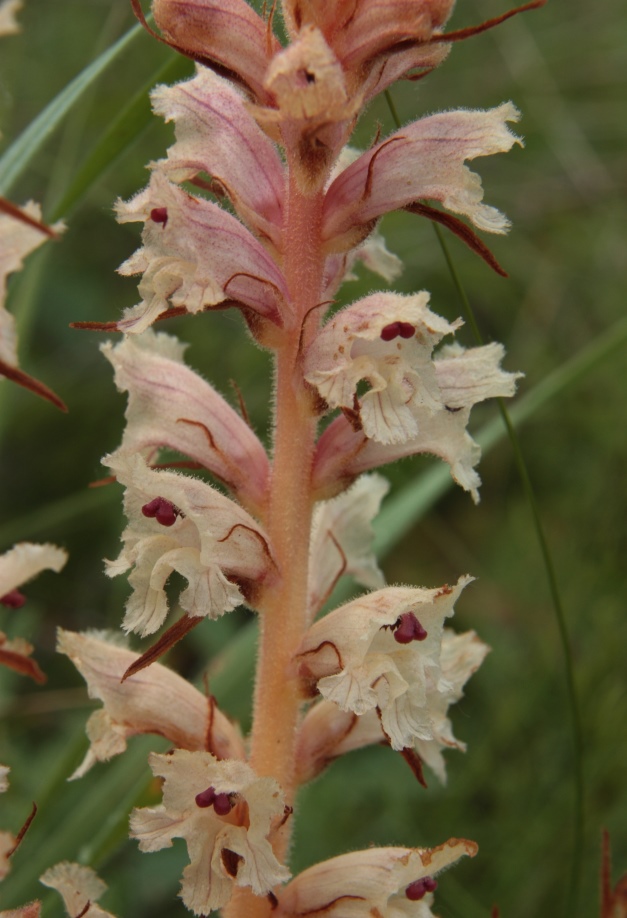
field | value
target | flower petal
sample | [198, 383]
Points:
[213, 543]
[79, 886]
[313, 114]
[461, 376]
[8, 23]
[423, 160]
[171, 406]
[17, 240]
[216, 135]
[385, 339]
[195, 255]
[341, 540]
[25, 560]
[155, 700]
[227, 33]
[367, 883]
[212, 840]
[352, 657]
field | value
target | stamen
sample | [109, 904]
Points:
[159, 215]
[419, 888]
[13, 599]
[164, 511]
[391, 331]
[220, 802]
[408, 629]
[205, 798]
[397, 329]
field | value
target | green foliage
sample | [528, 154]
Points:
[561, 317]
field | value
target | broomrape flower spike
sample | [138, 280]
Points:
[259, 205]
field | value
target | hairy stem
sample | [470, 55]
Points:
[283, 612]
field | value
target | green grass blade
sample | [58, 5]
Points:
[23, 150]
[134, 118]
[572, 892]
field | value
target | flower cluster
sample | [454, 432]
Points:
[260, 206]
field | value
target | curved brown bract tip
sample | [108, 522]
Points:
[6, 207]
[461, 230]
[470, 31]
[168, 639]
[415, 763]
[22, 664]
[33, 385]
[20, 835]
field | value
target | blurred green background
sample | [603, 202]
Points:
[564, 66]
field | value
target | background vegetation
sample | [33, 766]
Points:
[512, 791]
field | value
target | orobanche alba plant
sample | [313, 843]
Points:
[260, 205]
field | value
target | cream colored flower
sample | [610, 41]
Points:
[225, 813]
[383, 652]
[178, 523]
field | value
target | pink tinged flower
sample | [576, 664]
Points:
[375, 42]
[385, 340]
[225, 814]
[196, 255]
[4, 781]
[312, 113]
[464, 377]
[171, 406]
[341, 540]
[155, 700]
[79, 886]
[424, 160]
[351, 657]
[215, 545]
[225, 34]
[217, 137]
[386, 882]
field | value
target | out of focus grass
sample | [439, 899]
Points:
[512, 791]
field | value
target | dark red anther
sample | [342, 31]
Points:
[205, 798]
[220, 802]
[164, 511]
[408, 629]
[419, 888]
[159, 215]
[13, 599]
[406, 330]
[391, 331]
[397, 329]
